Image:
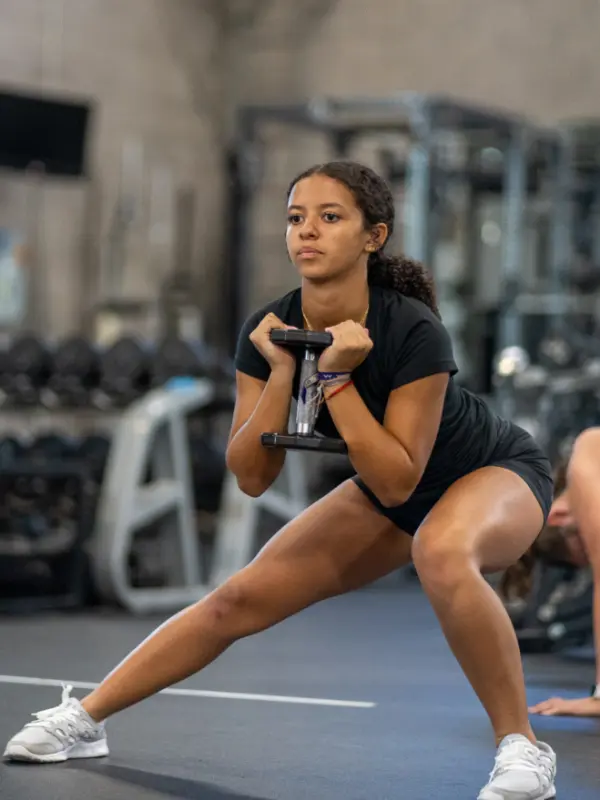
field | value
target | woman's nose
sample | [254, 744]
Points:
[309, 230]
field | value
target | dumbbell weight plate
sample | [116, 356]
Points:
[318, 444]
[125, 369]
[176, 357]
[93, 452]
[76, 365]
[301, 338]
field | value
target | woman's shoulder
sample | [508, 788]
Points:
[286, 308]
[404, 313]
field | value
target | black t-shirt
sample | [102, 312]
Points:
[409, 343]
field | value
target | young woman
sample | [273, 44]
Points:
[572, 535]
[432, 462]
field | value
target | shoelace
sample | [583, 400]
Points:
[547, 764]
[515, 755]
[66, 712]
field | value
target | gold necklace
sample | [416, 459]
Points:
[362, 321]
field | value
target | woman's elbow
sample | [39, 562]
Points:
[393, 498]
[397, 493]
[250, 487]
[250, 482]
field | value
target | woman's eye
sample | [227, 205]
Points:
[331, 217]
[293, 219]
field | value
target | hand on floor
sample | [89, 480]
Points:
[557, 707]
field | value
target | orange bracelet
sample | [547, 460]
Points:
[340, 389]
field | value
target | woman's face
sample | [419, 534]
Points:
[325, 234]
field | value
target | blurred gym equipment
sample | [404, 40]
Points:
[76, 372]
[467, 179]
[558, 612]
[83, 426]
[26, 368]
[126, 370]
[242, 517]
[151, 434]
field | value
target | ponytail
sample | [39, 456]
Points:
[406, 276]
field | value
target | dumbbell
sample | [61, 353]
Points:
[208, 471]
[126, 370]
[27, 368]
[11, 449]
[307, 408]
[52, 448]
[76, 371]
[93, 452]
[175, 358]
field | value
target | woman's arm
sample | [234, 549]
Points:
[582, 507]
[260, 407]
[584, 502]
[392, 457]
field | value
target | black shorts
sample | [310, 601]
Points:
[516, 451]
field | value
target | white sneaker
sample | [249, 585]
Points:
[522, 771]
[58, 734]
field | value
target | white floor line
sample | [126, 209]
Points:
[264, 698]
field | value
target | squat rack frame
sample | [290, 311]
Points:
[419, 117]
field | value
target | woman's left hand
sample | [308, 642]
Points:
[557, 707]
[351, 345]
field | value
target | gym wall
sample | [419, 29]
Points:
[151, 69]
[169, 73]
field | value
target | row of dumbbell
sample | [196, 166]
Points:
[56, 449]
[38, 469]
[75, 372]
[50, 485]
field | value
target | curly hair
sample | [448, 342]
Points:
[375, 200]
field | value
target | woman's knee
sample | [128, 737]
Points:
[441, 558]
[239, 607]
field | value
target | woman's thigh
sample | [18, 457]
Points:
[490, 516]
[338, 544]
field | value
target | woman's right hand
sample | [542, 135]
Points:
[279, 358]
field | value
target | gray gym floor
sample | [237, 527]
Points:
[426, 736]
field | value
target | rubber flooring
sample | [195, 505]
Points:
[422, 734]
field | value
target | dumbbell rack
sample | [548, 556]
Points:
[66, 560]
[151, 431]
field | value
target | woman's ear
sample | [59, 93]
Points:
[377, 237]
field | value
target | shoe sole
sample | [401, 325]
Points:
[550, 794]
[19, 752]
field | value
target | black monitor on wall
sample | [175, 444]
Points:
[46, 130]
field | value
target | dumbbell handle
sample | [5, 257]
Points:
[308, 395]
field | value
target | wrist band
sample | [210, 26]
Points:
[340, 389]
[328, 376]
[596, 692]
[333, 378]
